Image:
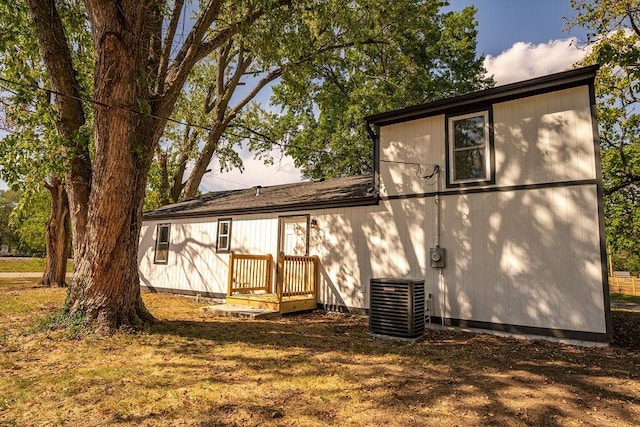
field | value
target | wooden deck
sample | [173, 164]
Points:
[295, 284]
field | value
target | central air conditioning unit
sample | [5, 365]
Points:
[396, 307]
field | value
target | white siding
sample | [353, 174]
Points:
[544, 138]
[526, 257]
[405, 144]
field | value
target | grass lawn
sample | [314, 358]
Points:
[312, 369]
[26, 265]
[625, 298]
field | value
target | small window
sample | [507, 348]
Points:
[469, 148]
[223, 242]
[162, 244]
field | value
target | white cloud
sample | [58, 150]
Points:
[524, 61]
[255, 173]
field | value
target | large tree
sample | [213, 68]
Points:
[8, 236]
[141, 65]
[614, 38]
[425, 55]
[140, 68]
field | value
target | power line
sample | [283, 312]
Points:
[172, 120]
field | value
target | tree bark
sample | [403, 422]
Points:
[106, 286]
[57, 237]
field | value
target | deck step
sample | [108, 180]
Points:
[241, 311]
[261, 301]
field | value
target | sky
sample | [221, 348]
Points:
[520, 39]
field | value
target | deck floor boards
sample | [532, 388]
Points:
[270, 301]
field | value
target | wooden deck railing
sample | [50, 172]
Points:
[249, 273]
[625, 285]
[297, 276]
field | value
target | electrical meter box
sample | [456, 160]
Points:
[437, 256]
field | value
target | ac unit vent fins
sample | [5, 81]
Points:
[396, 307]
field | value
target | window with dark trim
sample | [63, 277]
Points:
[469, 148]
[223, 240]
[161, 255]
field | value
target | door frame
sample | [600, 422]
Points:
[282, 218]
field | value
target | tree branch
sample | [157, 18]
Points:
[167, 44]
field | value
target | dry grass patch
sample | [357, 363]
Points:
[26, 265]
[309, 370]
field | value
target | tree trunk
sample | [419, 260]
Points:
[106, 287]
[57, 237]
[57, 58]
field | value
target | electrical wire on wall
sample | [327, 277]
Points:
[425, 171]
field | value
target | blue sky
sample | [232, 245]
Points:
[521, 39]
[501, 23]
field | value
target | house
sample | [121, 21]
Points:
[504, 184]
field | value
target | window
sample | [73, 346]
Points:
[469, 148]
[161, 255]
[223, 242]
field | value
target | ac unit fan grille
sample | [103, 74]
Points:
[397, 308]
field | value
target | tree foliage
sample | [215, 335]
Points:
[615, 41]
[8, 236]
[331, 64]
[33, 151]
[30, 221]
[417, 54]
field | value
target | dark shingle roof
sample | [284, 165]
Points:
[349, 191]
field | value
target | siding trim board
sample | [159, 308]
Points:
[600, 193]
[525, 330]
[436, 321]
[474, 190]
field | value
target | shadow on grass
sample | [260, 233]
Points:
[479, 372]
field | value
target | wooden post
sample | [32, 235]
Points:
[230, 281]
[280, 275]
[633, 283]
[314, 277]
[267, 274]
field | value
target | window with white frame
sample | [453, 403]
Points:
[161, 255]
[223, 241]
[469, 148]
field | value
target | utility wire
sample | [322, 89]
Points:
[169, 119]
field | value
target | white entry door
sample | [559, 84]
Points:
[293, 235]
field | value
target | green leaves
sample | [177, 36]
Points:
[32, 151]
[615, 45]
[393, 54]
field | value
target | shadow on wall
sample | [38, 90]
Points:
[193, 265]
[528, 257]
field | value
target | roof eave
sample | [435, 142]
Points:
[552, 82]
[361, 201]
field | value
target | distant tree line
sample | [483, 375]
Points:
[22, 226]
